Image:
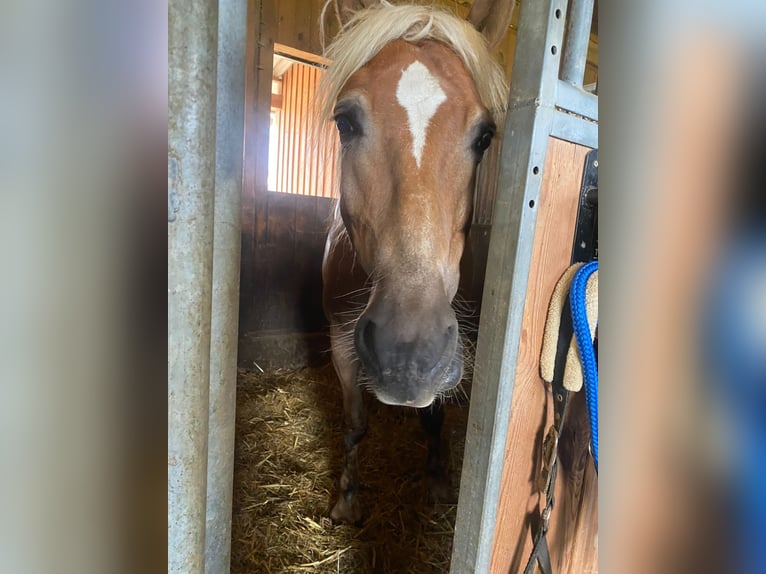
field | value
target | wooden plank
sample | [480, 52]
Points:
[281, 219]
[486, 184]
[251, 124]
[289, 186]
[305, 214]
[479, 242]
[284, 134]
[301, 55]
[574, 536]
[261, 29]
[314, 149]
[303, 24]
[287, 291]
[295, 130]
[248, 171]
[315, 45]
[296, 24]
[265, 43]
[302, 134]
[325, 207]
[280, 179]
[531, 411]
[307, 279]
[286, 16]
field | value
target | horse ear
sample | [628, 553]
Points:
[491, 18]
[344, 9]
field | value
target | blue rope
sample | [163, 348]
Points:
[585, 347]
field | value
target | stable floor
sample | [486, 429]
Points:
[288, 461]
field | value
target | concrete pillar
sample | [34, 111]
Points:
[232, 39]
[192, 43]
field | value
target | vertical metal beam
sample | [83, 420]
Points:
[192, 42]
[576, 46]
[230, 122]
[527, 128]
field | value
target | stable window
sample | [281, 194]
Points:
[302, 158]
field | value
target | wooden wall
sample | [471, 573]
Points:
[282, 235]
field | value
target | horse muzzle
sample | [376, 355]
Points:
[409, 359]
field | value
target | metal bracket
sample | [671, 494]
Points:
[585, 247]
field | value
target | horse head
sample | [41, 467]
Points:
[416, 96]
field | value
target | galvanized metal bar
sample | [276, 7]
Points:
[576, 47]
[230, 122]
[525, 144]
[192, 42]
[576, 100]
[575, 129]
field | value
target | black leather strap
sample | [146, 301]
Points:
[540, 555]
[547, 483]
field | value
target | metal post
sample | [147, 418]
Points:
[192, 42]
[525, 143]
[232, 39]
[576, 45]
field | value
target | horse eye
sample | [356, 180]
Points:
[482, 142]
[345, 127]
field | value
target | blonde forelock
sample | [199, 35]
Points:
[370, 30]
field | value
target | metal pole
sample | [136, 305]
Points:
[576, 45]
[192, 42]
[232, 38]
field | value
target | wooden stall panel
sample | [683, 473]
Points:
[573, 533]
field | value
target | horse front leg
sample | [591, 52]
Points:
[347, 508]
[432, 420]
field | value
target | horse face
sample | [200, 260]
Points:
[412, 130]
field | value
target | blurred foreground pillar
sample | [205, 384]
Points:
[232, 39]
[192, 55]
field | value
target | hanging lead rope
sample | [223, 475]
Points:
[570, 326]
[584, 336]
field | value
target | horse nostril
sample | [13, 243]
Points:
[365, 334]
[451, 334]
[368, 336]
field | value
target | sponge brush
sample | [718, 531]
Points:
[573, 378]
[553, 323]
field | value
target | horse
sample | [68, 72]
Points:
[416, 98]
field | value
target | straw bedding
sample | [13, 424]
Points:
[288, 461]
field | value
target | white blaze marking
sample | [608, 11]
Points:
[420, 95]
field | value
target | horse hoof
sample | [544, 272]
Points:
[345, 512]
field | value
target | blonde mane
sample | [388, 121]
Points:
[370, 30]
